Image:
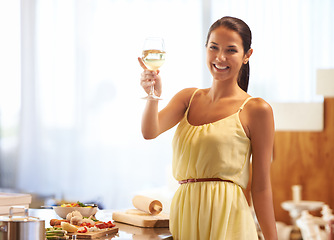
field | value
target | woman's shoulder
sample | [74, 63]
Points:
[183, 97]
[187, 91]
[258, 115]
[186, 94]
[259, 108]
[258, 103]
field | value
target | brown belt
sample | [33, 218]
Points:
[203, 180]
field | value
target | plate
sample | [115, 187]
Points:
[85, 211]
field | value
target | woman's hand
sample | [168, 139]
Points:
[150, 78]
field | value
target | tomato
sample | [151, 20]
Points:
[82, 230]
[86, 224]
[101, 225]
[110, 224]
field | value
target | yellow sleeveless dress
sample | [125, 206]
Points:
[211, 210]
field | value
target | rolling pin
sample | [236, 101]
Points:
[147, 204]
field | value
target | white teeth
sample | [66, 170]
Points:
[221, 67]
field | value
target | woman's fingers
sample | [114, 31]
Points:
[141, 63]
[148, 74]
[149, 78]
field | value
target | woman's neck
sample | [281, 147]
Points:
[224, 89]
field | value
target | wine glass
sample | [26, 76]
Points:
[153, 56]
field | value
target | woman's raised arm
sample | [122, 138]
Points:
[154, 122]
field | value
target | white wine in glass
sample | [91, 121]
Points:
[154, 57]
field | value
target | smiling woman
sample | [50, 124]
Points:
[228, 56]
[218, 128]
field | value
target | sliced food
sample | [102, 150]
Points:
[68, 227]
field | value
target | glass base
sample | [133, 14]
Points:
[151, 97]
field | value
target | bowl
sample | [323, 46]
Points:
[85, 211]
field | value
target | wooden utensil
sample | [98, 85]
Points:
[146, 204]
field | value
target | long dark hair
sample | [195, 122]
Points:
[245, 33]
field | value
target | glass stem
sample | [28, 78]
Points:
[152, 91]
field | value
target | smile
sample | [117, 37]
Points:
[220, 67]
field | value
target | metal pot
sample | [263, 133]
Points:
[21, 227]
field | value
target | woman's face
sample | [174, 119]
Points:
[225, 54]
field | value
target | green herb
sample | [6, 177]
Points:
[92, 218]
[57, 237]
[55, 233]
[53, 228]
[81, 204]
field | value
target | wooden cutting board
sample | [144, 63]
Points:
[91, 235]
[148, 231]
[156, 221]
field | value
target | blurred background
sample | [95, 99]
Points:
[70, 107]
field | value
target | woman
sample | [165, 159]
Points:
[219, 128]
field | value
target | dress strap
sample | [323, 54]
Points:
[192, 96]
[191, 99]
[242, 106]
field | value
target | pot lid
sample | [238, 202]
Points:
[19, 219]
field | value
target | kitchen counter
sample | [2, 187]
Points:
[125, 232]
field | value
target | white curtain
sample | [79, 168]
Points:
[9, 89]
[80, 108]
[81, 138]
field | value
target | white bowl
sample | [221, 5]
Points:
[85, 211]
